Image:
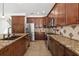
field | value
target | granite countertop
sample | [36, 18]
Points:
[69, 43]
[4, 43]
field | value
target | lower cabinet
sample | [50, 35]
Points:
[57, 49]
[17, 48]
[69, 52]
[39, 35]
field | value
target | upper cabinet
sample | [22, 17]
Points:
[59, 14]
[65, 14]
[18, 24]
[71, 13]
[38, 21]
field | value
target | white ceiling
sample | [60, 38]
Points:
[28, 9]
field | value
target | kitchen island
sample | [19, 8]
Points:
[16, 47]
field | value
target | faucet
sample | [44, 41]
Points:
[9, 32]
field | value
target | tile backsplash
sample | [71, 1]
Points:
[70, 31]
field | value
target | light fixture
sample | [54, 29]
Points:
[3, 10]
[43, 12]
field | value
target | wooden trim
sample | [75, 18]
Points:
[51, 9]
[35, 17]
[17, 16]
[78, 13]
[64, 25]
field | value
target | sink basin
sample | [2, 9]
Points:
[11, 38]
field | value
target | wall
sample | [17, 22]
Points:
[4, 25]
[70, 31]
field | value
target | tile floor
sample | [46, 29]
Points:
[37, 48]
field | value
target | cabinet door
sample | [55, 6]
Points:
[39, 35]
[69, 52]
[71, 13]
[51, 15]
[17, 28]
[55, 47]
[17, 24]
[17, 19]
[52, 46]
[44, 22]
[78, 14]
[60, 49]
[59, 14]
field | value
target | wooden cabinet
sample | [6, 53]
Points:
[17, 48]
[69, 52]
[60, 49]
[39, 35]
[54, 47]
[47, 20]
[71, 13]
[60, 14]
[57, 49]
[18, 24]
[51, 45]
[65, 13]
[78, 14]
[38, 21]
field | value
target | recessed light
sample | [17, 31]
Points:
[43, 12]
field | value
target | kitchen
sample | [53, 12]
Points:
[52, 29]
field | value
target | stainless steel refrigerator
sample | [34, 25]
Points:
[30, 30]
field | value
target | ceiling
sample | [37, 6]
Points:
[28, 9]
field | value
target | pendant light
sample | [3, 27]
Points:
[3, 10]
